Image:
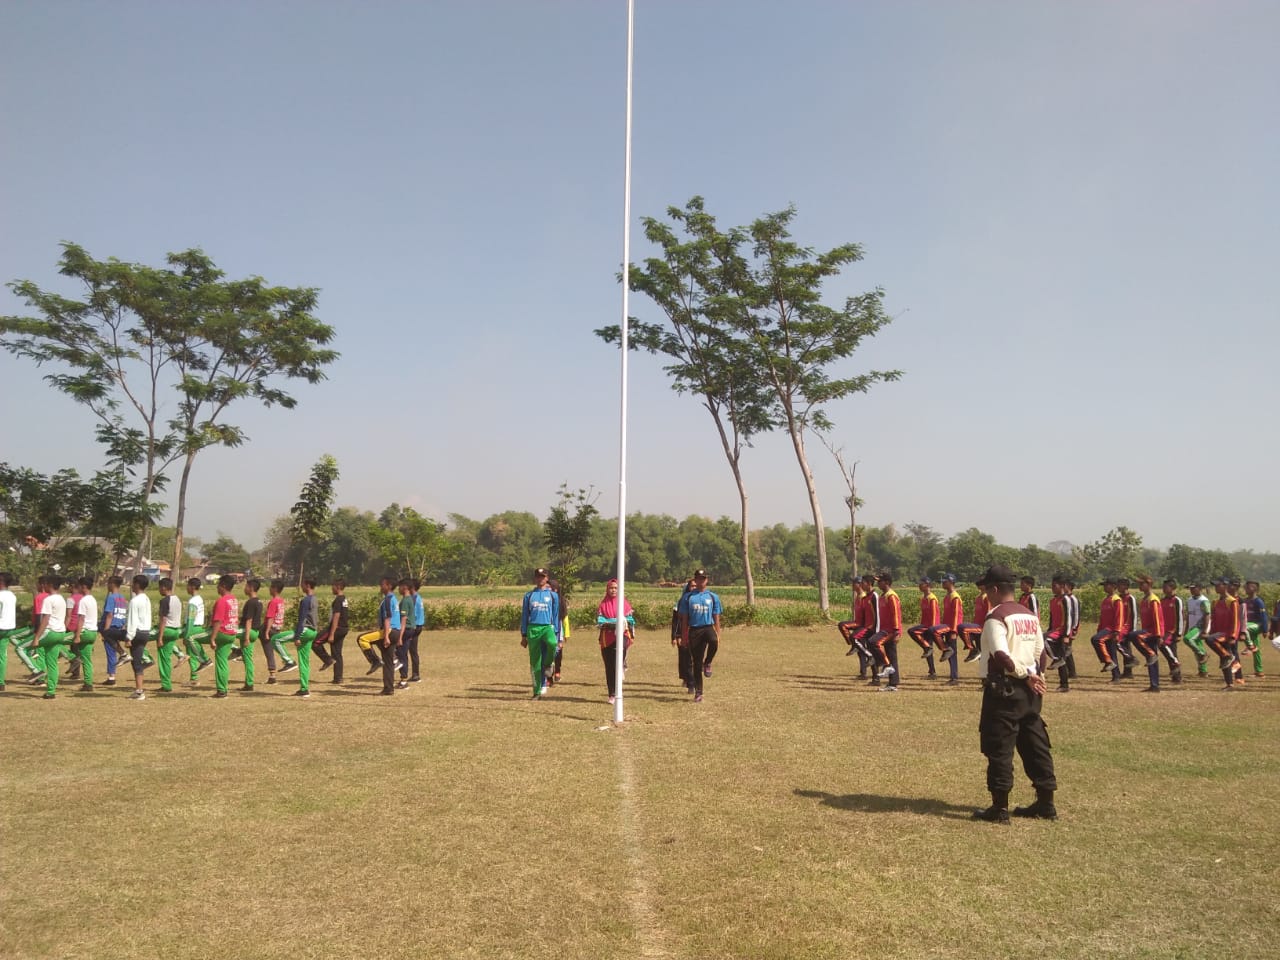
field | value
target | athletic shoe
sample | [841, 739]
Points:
[398, 664]
[1117, 679]
[86, 688]
[385, 693]
[888, 671]
[1055, 663]
[137, 695]
[992, 814]
[287, 667]
[1151, 690]
[1064, 689]
[611, 701]
[235, 655]
[873, 683]
[373, 668]
[271, 679]
[1259, 676]
[326, 665]
[48, 696]
[706, 671]
[1106, 667]
[219, 695]
[697, 697]
[892, 688]
[926, 655]
[415, 679]
[1202, 658]
[402, 685]
[543, 691]
[302, 693]
[953, 683]
[203, 665]
[969, 658]
[852, 650]
[1037, 811]
[932, 676]
[555, 677]
[247, 688]
[1227, 689]
[109, 682]
[181, 658]
[36, 678]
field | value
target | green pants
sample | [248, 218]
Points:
[18, 639]
[193, 641]
[542, 654]
[83, 651]
[52, 646]
[222, 644]
[1254, 631]
[304, 642]
[166, 645]
[8, 637]
[247, 641]
[278, 641]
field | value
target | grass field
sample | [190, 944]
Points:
[793, 814]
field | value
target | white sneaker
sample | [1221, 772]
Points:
[137, 695]
[888, 671]
[543, 691]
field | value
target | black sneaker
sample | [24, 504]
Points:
[1037, 811]
[271, 679]
[373, 668]
[288, 666]
[86, 688]
[47, 696]
[219, 695]
[109, 682]
[247, 688]
[387, 693]
[971, 656]
[302, 693]
[203, 665]
[402, 685]
[415, 679]
[992, 814]
[953, 683]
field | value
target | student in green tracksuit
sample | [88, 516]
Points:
[304, 634]
[84, 633]
[224, 631]
[9, 632]
[276, 634]
[169, 634]
[193, 632]
[250, 630]
[539, 614]
[52, 636]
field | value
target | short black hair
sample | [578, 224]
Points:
[165, 583]
[142, 582]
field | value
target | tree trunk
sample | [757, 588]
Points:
[733, 453]
[302, 565]
[853, 545]
[181, 516]
[820, 533]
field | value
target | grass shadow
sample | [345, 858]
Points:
[875, 803]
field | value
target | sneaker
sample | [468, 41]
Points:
[288, 666]
[1117, 679]
[109, 682]
[971, 656]
[555, 677]
[48, 696]
[892, 688]
[611, 701]
[953, 683]
[1037, 811]
[1055, 663]
[235, 655]
[1064, 690]
[36, 678]
[387, 693]
[302, 693]
[888, 671]
[326, 665]
[1259, 676]
[219, 695]
[247, 688]
[415, 679]
[697, 697]
[706, 671]
[1151, 690]
[271, 679]
[181, 658]
[851, 651]
[204, 664]
[926, 655]
[932, 676]
[402, 685]
[397, 666]
[137, 695]
[373, 668]
[992, 814]
[873, 682]
[543, 691]
[86, 688]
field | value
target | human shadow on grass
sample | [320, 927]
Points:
[875, 803]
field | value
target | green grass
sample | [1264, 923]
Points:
[793, 814]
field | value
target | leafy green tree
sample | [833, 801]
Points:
[773, 302]
[409, 543]
[691, 284]
[970, 552]
[1188, 564]
[1117, 552]
[566, 530]
[312, 511]
[225, 555]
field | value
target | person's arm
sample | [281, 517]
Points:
[130, 622]
[333, 617]
[524, 620]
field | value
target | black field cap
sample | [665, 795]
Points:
[997, 573]
[699, 574]
[540, 572]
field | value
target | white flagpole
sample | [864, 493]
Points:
[620, 628]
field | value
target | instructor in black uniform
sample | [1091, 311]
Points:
[1012, 693]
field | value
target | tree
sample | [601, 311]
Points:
[312, 511]
[1195, 565]
[1115, 553]
[690, 285]
[849, 473]
[225, 555]
[566, 530]
[410, 543]
[773, 302]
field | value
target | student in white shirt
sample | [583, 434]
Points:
[52, 637]
[137, 629]
[84, 632]
[8, 622]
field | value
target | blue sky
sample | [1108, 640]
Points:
[1071, 206]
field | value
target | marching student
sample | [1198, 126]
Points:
[856, 631]
[224, 631]
[251, 620]
[699, 625]
[169, 634]
[847, 627]
[138, 631]
[336, 632]
[870, 626]
[1028, 597]
[1073, 622]
[420, 622]
[1224, 628]
[1149, 636]
[1129, 616]
[1242, 627]
[8, 624]
[1198, 611]
[1256, 624]
[971, 630]
[115, 610]
[922, 632]
[51, 634]
[947, 632]
[884, 642]
[608, 617]
[684, 660]
[37, 604]
[1055, 638]
[562, 633]
[388, 635]
[72, 651]
[1172, 612]
[193, 632]
[539, 613]
[406, 632]
[276, 634]
[304, 634]
[1106, 641]
[84, 623]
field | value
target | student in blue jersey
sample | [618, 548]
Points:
[419, 622]
[115, 611]
[562, 631]
[389, 627]
[699, 627]
[539, 615]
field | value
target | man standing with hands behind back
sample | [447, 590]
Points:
[1012, 694]
[699, 626]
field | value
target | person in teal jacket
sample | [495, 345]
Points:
[539, 617]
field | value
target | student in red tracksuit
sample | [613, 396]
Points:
[1150, 633]
[930, 615]
[971, 630]
[948, 629]
[849, 628]
[1224, 628]
[1106, 641]
[865, 625]
[1174, 611]
[884, 642]
[1055, 638]
[1128, 626]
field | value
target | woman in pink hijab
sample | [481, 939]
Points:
[607, 618]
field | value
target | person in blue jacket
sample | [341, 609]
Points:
[539, 618]
[699, 627]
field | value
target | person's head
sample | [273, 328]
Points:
[1028, 584]
[415, 584]
[700, 579]
[1195, 590]
[1251, 588]
[42, 583]
[338, 586]
[308, 587]
[1109, 586]
[868, 582]
[140, 584]
[114, 583]
[275, 588]
[926, 585]
[1233, 587]
[540, 578]
[193, 586]
[1220, 586]
[1145, 583]
[251, 587]
[6, 579]
[611, 588]
[53, 583]
[949, 582]
[857, 587]
[997, 583]
[226, 583]
[86, 583]
[1069, 585]
[884, 580]
[1169, 587]
[166, 586]
[403, 586]
[387, 583]
[1122, 584]
[1058, 586]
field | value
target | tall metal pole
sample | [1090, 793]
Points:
[620, 628]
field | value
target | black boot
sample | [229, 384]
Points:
[998, 812]
[1042, 809]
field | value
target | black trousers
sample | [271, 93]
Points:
[137, 647]
[335, 652]
[684, 663]
[1010, 720]
[389, 661]
[610, 656]
[701, 639]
